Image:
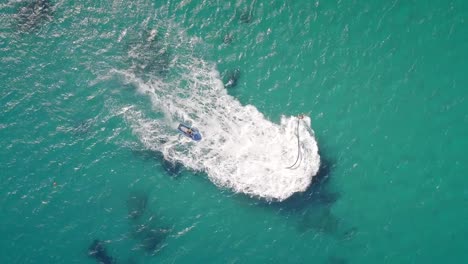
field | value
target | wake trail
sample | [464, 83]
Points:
[240, 150]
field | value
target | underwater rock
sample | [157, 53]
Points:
[98, 252]
[136, 205]
[230, 78]
[33, 14]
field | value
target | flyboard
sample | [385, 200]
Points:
[190, 132]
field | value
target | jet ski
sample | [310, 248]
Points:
[190, 132]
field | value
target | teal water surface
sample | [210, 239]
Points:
[384, 83]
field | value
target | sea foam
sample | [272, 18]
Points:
[240, 150]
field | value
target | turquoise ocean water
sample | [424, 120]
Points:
[383, 82]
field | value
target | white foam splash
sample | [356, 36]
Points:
[240, 149]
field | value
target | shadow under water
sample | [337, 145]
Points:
[319, 193]
[83, 127]
[173, 169]
[149, 54]
[336, 260]
[33, 14]
[319, 219]
[136, 205]
[313, 208]
[230, 78]
[228, 38]
[145, 227]
[150, 234]
[97, 251]
[246, 15]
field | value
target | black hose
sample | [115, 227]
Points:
[298, 146]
